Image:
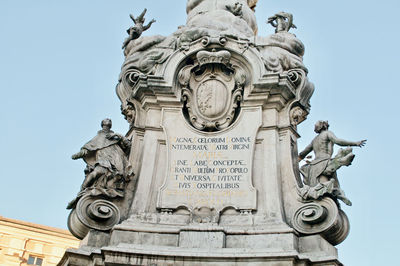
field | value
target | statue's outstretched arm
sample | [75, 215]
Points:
[342, 142]
[148, 25]
[79, 154]
[306, 151]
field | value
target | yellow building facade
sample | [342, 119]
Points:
[24, 243]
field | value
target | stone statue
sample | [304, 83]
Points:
[282, 51]
[282, 22]
[320, 174]
[107, 169]
[233, 18]
[137, 30]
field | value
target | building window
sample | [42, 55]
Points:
[34, 260]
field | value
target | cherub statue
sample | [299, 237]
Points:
[282, 22]
[107, 169]
[137, 30]
[320, 174]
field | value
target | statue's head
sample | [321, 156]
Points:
[252, 4]
[106, 124]
[321, 126]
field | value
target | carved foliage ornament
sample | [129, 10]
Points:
[212, 90]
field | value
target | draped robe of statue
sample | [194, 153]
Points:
[108, 153]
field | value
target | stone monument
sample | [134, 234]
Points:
[208, 173]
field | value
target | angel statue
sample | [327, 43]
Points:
[137, 30]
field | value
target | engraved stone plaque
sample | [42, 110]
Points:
[207, 169]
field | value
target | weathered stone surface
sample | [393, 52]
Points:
[202, 239]
[127, 254]
[213, 111]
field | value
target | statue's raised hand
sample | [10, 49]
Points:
[361, 143]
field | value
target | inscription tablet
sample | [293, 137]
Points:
[209, 169]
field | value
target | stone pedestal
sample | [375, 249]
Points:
[273, 249]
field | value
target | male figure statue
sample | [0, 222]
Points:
[106, 158]
[320, 174]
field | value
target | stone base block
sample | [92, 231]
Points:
[196, 239]
[197, 248]
[144, 238]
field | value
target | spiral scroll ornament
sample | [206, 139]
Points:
[304, 88]
[322, 217]
[92, 213]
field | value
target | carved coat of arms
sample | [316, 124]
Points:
[212, 90]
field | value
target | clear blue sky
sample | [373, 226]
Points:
[59, 64]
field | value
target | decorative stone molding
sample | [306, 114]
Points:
[304, 88]
[204, 215]
[213, 57]
[297, 115]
